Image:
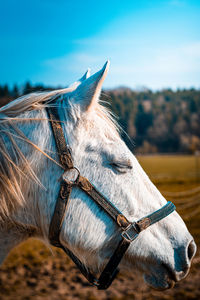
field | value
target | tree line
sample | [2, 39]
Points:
[163, 121]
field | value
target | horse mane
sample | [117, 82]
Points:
[14, 174]
[32, 101]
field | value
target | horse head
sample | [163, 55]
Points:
[162, 253]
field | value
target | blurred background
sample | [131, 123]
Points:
[153, 87]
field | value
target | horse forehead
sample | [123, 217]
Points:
[105, 146]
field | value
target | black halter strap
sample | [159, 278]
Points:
[72, 177]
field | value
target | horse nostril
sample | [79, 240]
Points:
[191, 250]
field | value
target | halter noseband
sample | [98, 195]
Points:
[71, 178]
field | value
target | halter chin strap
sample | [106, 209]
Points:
[71, 178]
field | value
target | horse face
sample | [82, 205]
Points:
[164, 251]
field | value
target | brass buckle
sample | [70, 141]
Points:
[71, 176]
[130, 233]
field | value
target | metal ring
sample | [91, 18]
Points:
[69, 179]
[78, 176]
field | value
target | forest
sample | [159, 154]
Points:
[163, 121]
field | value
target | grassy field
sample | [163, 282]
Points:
[178, 179]
[31, 272]
[172, 169]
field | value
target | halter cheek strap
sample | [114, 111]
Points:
[71, 178]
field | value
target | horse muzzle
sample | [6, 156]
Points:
[164, 275]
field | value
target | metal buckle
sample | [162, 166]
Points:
[71, 176]
[130, 233]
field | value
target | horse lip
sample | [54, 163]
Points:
[170, 281]
[171, 284]
[176, 276]
[172, 275]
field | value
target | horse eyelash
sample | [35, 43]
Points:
[121, 165]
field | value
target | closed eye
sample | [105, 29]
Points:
[121, 167]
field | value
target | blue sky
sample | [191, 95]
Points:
[149, 43]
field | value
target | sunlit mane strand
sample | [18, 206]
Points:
[33, 101]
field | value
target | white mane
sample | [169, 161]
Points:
[32, 101]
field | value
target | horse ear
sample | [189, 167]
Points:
[88, 92]
[85, 76]
[74, 85]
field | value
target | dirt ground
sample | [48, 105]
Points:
[30, 272]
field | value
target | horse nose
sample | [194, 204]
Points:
[191, 250]
[183, 258]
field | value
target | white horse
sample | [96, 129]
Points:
[30, 180]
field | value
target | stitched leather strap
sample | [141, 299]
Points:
[63, 149]
[90, 189]
[85, 271]
[59, 213]
[156, 216]
[110, 271]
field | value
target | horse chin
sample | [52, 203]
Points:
[159, 283]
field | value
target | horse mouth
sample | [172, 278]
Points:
[159, 282]
[162, 278]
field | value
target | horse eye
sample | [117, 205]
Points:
[121, 167]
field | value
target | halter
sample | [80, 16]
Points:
[72, 177]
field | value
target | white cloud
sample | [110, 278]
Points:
[143, 49]
[132, 65]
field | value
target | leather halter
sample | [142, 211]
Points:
[71, 178]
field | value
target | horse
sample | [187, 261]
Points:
[30, 176]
